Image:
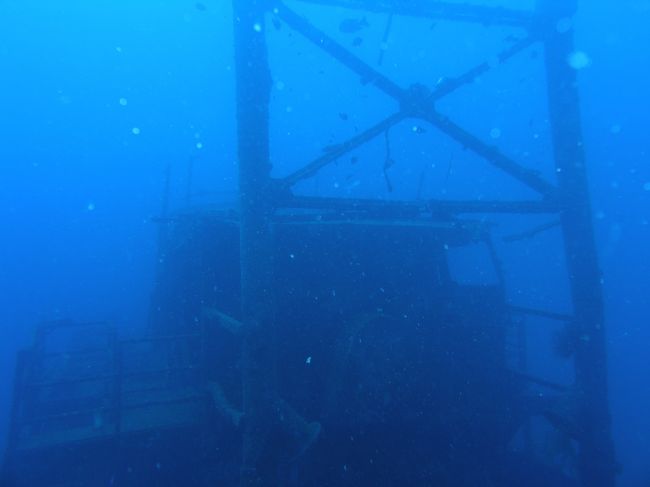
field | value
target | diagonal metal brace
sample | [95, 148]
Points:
[414, 102]
[450, 85]
[368, 74]
[341, 149]
[491, 154]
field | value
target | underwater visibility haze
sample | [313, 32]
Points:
[324, 243]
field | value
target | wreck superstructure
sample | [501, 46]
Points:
[294, 337]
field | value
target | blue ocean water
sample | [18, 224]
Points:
[100, 100]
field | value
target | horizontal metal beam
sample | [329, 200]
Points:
[439, 207]
[551, 315]
[542, 382]
[437, 10]
[495, 206]
[533, 232]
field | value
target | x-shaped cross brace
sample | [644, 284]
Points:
[417, 101]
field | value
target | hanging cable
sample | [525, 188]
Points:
[384, 41]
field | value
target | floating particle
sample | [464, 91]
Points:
[124, 102]
[279, 85]
[118, 49]
[308, 360]
[646, 186]
[579, 60]
[91, 206]
[199, 145]
[495, 133]
[135, 131]
[257, 27]
[615, 129]
[600, 215]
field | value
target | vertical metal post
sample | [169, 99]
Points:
[256, 246]
[163, 226]
[596, 462]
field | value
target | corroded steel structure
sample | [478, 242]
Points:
[261, 195]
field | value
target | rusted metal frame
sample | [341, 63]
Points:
[437, 10]
[422, 107]
[256, 206]
[596, 459]
[443, 89]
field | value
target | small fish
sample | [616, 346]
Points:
[200, 6]
[343, 116]
[419, 130]
[276, 23]
[357, 41]
[350, 26]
